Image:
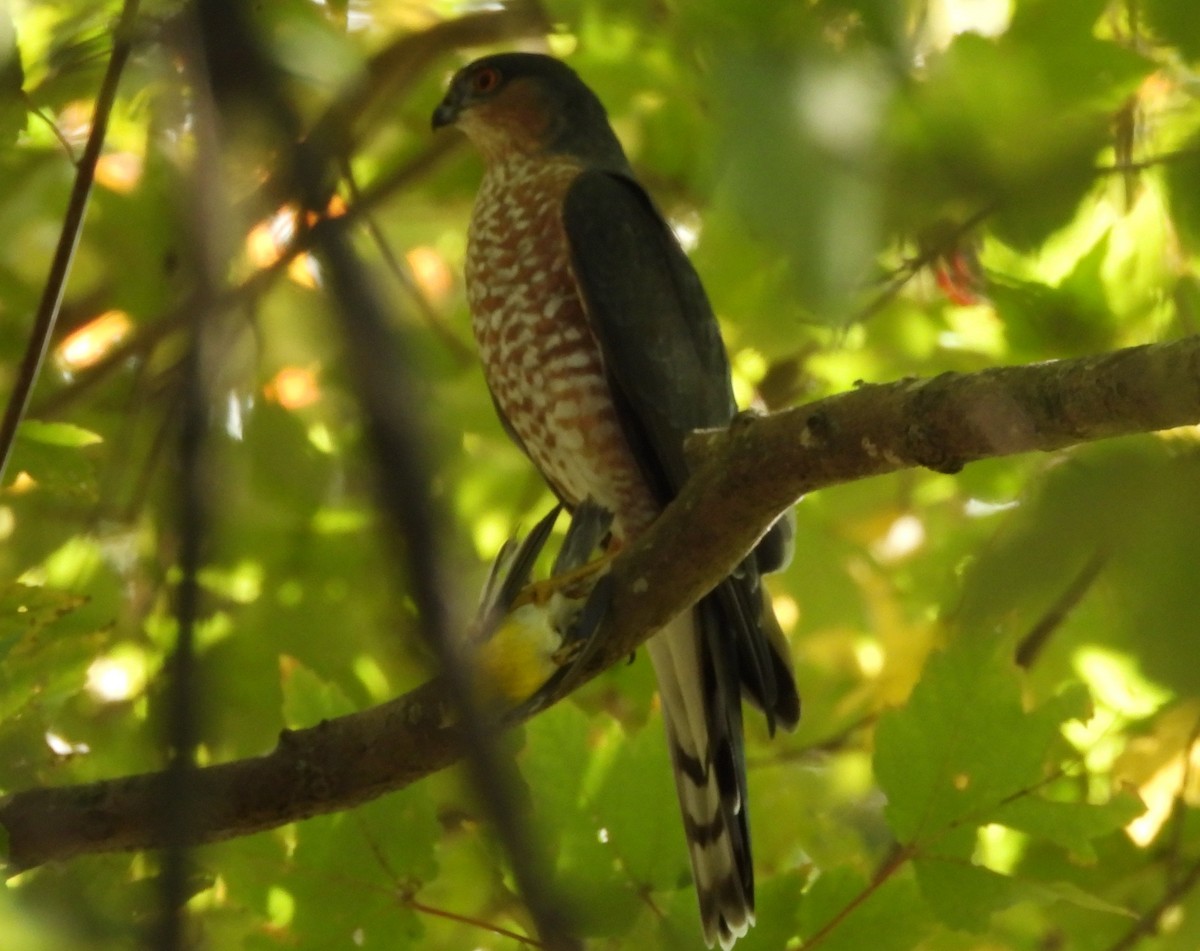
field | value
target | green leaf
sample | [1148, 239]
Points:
[637, 807]
[348, 870]
[31, 612]
[308, 699]
[1182, 174]
[965, 895]
[1173, 22]
[1074, 895]
[1072, 825]
[777, 903]
[564, 752]
[58, 434]
[848, 913]
[1072, 319]
[962, 894]
[962, 745]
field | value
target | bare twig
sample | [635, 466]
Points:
[913, 266]
[33, 109]
[1034, 641]
[68, 238]
[396, 68]
[462, 354]
[1147, 923]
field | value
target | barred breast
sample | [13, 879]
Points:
[541, 360]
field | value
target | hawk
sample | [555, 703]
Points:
[602, 353]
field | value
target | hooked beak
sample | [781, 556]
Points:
[445, 114]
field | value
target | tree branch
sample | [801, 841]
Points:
[748, 475]
[68, 238]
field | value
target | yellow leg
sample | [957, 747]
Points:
[573, 584]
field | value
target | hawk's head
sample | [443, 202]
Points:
[529, 104]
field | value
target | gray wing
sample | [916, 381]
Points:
[661, 344]
[669, 374]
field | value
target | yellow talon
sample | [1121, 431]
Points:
[530, 644]
[573, 584]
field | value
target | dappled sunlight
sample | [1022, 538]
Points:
[999, 848]
[1117, 683]
[267, 239]
[294, 388]
[270, 240]
[432, 274]
[490, 533]
[904, 537]
[995, 661]
[1162, 762]
[748, 366]
[321, 438]
[90, 343]
[119, 171]
[118, 676]
[65, 748]
[974, 328]
[870, 657]
[22, 482]
[373, 677]
[787, 612]
[241, 583]
[1122, 695]
[981, 508]
[73, 563]
[688, 228]
[340, 520]
[1175, 781]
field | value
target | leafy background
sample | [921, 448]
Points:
[872, 189]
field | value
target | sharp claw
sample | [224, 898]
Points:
[579, 643]
[571, 604]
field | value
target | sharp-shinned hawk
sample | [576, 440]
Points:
[602, 353]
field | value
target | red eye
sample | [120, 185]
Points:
[486, 80]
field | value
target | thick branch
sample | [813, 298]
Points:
[749, 475]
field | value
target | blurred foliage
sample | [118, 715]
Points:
[873, 189]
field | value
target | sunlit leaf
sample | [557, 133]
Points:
[58, 434]
[963, 745]
[1073, 825]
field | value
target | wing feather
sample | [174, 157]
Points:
[662, 348]
[669, 373]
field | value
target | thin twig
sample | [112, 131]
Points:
[54, 129]
[68, 238]
[463, 355]
[910, 268]
[1147, 923]
[1154, 161]
[1032, 644]
[485, 926]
